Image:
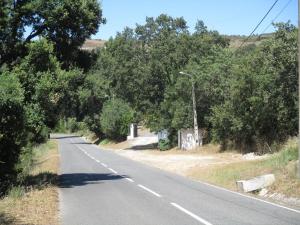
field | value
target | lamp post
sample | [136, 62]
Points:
[298, 89]
[196, 131]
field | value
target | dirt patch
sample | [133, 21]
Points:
[91, 44]
[39, 205]
[224, 168]
[181, 162]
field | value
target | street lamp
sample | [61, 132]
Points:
[196, 131]
[299, 89]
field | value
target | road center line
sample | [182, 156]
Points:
[103, 164]
[149, 190]
[129, 179]
[112, 170]
[190, 214]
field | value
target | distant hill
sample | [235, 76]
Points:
[237, 40]
[91, 44]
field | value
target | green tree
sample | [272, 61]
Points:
[261, 106]
[66, 23]
[12, 127]
[115, 119]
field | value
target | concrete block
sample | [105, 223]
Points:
[256, 183]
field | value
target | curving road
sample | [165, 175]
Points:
[100, 187]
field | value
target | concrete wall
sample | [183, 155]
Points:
[186, 139]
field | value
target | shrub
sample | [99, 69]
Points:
[164, 145]
[37, 130]
[93, 123]
[16, 192]
[12, 127]
[115, 119]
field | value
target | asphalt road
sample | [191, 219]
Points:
[100, 187]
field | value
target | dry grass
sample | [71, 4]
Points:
[282, 164]
[39, 204]
[91, 44]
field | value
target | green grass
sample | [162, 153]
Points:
[28, 161]
[282, 164]
[105, 141]
[16, 192]
[283, 157]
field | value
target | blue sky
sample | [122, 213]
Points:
[225, 16]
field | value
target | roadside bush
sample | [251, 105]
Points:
[164, 145]
[25, 163]
[115, 119]
[36, 128]
[73, 125]
[12, 127]
[70, 125]
[93, 123]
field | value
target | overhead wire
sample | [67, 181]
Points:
[258, 24]
[273, 20]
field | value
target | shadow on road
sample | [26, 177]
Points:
[143, 147]
[81, 143]
[80, 179]
[61, 136]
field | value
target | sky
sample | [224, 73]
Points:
[232, 17]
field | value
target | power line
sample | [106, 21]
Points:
[258, 24]
[281, 11]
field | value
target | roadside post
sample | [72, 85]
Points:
[196, 130]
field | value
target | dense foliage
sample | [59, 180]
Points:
[115, 119]
[39, 83]
[261, 106]
[12, 126]
[66, 23]
[246, 98]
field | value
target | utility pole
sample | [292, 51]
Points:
[298, 90]
[196, 130]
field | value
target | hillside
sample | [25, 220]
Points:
[237, 40]
[91, 44]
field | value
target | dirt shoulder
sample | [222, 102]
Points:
[225, 168]
[178, 161]
[39, 202]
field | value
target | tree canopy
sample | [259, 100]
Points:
[39, 81]
[66, 23]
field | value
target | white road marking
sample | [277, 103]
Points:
[258, 199]
[80, 148]
[129, 179]
[191, 214]
[149, 190]
[220, 188]
[97, 160]
[112, 170]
